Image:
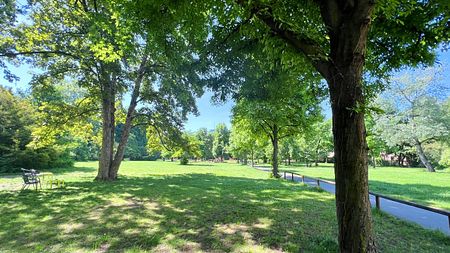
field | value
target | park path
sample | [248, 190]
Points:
[426, 219]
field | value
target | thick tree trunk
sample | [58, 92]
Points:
[423, 157]
[348, 37]
[347, 23]
[275, 152]
[108, 124]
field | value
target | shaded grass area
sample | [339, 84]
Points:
[413, 184]
[164, 207]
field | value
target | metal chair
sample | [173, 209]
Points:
[30, 177]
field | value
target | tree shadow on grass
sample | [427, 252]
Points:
[190, 212]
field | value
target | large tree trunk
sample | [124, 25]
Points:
[348, 37]
[423, 157]
[275, 152]
[347, 23]
[108, 125]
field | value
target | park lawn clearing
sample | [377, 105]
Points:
[166, 207]
[411, 184]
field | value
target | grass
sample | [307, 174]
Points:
[165, 207]
[413, 184]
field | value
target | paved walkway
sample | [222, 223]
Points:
[420, 216]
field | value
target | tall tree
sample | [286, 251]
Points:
[243, 142]
[318, 141]
[221, 141]
[206, 139]
[106, 48]
[278, 104]
[16, 120]
[333, 37]
[415, 115]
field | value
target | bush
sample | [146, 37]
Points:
[39, 159]
[184, 161]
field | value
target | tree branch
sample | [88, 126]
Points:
[308, 47]
[14, 54]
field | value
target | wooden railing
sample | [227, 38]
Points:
[376, 195]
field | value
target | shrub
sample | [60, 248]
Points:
[184, 160]
[40, 159]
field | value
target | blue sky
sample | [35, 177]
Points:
[210, 114]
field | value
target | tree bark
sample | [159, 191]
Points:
[423, 157]
[108, 125]
[253, 158]
[128, 121]
[347, 23]
[348, 36]
[275, 152]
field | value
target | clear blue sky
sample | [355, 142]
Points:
[210, 114]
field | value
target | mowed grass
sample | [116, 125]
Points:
[413, 184]
[166, 207]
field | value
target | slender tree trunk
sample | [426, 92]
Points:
[253, 158]
[275, 152]
[423, 157]
[317, 154]
[348, 37]
[128, 121]
[289, 159]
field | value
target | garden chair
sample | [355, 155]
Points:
[30, 177]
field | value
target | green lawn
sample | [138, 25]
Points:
[166, 207]
[413, 184]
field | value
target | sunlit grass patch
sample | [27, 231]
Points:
[164, 207]
[413, 184]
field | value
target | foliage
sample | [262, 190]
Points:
[445, 157]
[221, 141]
[108, 49]
[415, 115]
[206, 140]
[244, 144]
[18, 122]
[136, 148]
[317, 142]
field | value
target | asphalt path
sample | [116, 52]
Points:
[425, 218]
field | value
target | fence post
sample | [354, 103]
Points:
[284, 173]
[303, 179]
[377, 203]
[318, 183]
[448, 221]
[292, 176]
